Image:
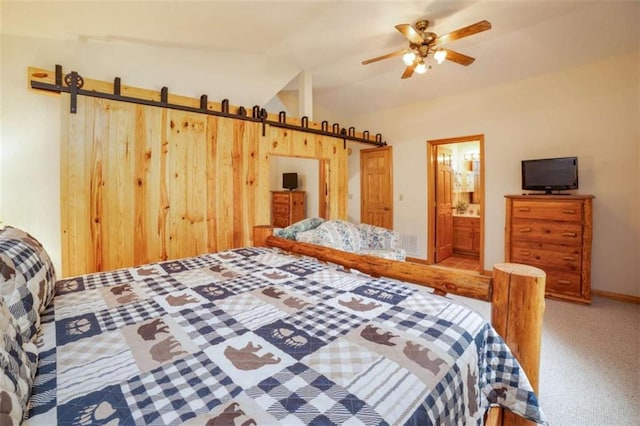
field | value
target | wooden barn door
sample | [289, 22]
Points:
[143, 184]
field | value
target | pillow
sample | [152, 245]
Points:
[291, 231]
[346, 234]
[18, 363]
[317, 236]
[379, 238]
[27, 278]
[337, 234]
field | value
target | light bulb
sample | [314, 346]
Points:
[440, 56]
[421, 68]
[408, 58]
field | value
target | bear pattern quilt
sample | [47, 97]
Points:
[255, 336]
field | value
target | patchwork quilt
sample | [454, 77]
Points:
[255, 336]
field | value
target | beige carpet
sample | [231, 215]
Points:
[590, 362]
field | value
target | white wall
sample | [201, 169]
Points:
[592, 111]
[353, 203]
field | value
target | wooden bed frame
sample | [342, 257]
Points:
[515, 291]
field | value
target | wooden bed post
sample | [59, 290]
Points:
[260, 235]
[517, 310]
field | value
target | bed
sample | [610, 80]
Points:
[252, 336]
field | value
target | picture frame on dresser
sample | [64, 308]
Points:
[553, 233]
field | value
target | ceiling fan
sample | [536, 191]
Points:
[423, 43]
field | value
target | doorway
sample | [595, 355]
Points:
[312, 179]
[455, 217]
[376, 187]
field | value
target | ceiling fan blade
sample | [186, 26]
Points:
[380, 58]
[410, 33]
[472, 29]
[408, 72]
[459, 58]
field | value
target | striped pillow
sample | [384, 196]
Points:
[27, 279]
[18, 364]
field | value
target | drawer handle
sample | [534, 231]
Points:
[524, 209]
[569, 211]
[527, 229]
[564, 282]
[569, 234]
[568, 258]
[525, 252]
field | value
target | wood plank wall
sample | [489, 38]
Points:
[142, 184]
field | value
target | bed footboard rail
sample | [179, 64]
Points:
[442, 280]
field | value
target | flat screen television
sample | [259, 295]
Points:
[550, 174]
[290, 181]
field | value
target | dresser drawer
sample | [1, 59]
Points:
[563, 282]
[282, 209]
[280, 221]
[550, 210]
[280, 198]
[564, 257]
[547, 232]
[466, 221]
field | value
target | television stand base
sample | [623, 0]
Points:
[547, 193]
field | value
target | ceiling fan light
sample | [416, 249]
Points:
[408, 58]
[421, 68]
[440, 56]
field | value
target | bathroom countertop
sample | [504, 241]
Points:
[466, 215]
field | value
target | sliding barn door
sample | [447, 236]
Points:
[143, 184]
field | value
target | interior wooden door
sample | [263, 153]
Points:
[444, 194]
[376, 187]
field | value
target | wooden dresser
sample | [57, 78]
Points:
[287, 207]
[553, 232]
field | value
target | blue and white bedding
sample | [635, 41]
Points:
[254, 336]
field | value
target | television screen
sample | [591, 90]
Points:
[290, 181]
[550, 174]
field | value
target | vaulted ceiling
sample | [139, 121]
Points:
[330, 39]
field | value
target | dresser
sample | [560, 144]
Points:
[287, 207]
[553, 233]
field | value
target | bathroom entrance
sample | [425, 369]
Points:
[455, 224]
